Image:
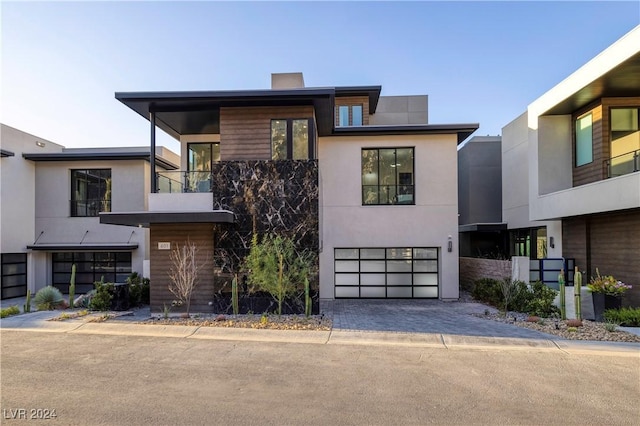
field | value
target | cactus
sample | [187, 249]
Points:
[563, 304]
[307, 298]
[234, 295]
[27, 304]
[577, 288]
[72, 286]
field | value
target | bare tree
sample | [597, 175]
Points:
[184, 272]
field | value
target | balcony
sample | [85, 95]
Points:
[171, 182]
[622, 164]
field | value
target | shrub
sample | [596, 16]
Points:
[101, 300]
[626, 317]
[541, 301]
[138, 289]
[536, 299]
[11, 310]
[48, 298]
[487, 290]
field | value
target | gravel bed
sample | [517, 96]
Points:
[273, 322]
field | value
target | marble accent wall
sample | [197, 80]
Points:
[279, 196]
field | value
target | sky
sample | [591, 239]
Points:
[479, 62]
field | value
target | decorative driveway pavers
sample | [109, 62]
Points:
[422, 316]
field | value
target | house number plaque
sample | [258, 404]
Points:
[164, 246]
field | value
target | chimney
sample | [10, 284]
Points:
[287, 80]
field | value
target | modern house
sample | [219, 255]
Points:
[362, 180]
[50, 200]
[571, 167]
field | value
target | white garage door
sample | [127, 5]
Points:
[386, 272]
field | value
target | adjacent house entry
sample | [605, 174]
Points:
[386, 272]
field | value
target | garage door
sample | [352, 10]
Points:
[405, 272]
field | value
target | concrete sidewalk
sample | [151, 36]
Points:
[40, 322]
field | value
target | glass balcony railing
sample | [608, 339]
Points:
[181, 181]
[623, 164]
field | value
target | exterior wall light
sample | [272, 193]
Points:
[552, 242]
[450, 244]
[40, 144]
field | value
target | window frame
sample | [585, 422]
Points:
[350, 115]
[21, 275]
[89, 212]
[212, 144]
[397, 184]
[311, 153]
[578, 146]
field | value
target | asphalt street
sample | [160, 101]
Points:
[131, 380]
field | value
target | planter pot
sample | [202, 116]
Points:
[602, 302]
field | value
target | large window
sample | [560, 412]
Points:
[200, 158]
[90, 192]
[349, 115]
[115, 267]
[584, 140]
[386, 272]
[625, 141]
[292, 139]
[13, 277]
[387, 176]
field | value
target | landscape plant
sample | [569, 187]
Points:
[626, 317]
[234, 295]
[27, 302]
[607, 284]
[508, 288]
[307, 298]
[275, 266]
[139, 288]
[577, 287]
[48, 298]
[563, 303]
[185, 268]
[101, 300]
[535, 299]
[11, 310]
[72, 285]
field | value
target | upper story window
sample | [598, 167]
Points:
[584, 140]
[388, 176]
[350, 115]
[292, 139]
[90, 192]
[201, 155]
[625, 141]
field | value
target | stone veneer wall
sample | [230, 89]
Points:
[280, 196]
[472, 269]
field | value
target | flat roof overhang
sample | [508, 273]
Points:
[483, 227]
[83, 247]
[144, 219]
[86, 156]
[462, 130]
[5, 153]
[621, 81]
[198, 112]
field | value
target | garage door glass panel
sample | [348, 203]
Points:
[372, 279]
[346, 253]
[399, 292]
[372, 292]
[347, 266]
[347, 279]
[399, 253]
[425, 253]
[371, 253]
[425, 279]
[372, 266]
[399, 279]
[399, 266]
[425, 266]
[426, 292]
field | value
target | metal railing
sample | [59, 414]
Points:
[622, 164]
[182, 181]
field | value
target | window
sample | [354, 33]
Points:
[292, 139]
[403, 272]
[584, 140]
[387, 176]
[13, 277]
[625, 141]
[115, 267]
[90, 192]
[200, 158]
[349, 115]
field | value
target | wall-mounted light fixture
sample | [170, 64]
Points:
[450, 244]
[552, 242]
[40, 144]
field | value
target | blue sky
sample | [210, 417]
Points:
[478, 61]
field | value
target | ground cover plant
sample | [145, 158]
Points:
[11, 310]
[626, 317]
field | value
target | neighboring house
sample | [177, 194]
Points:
[50, 200]
[482, 232]
[361, 180]
[571, 167]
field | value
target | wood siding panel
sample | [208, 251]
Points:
[178, 234]
[615, 249]
[591, 172]
[350, 101]
[245, 133]
[574, 241]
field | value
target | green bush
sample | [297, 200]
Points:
[48, 298]
[626, 317]
[138, 289]
[101, 300]
[536, 299]
[11, 310]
